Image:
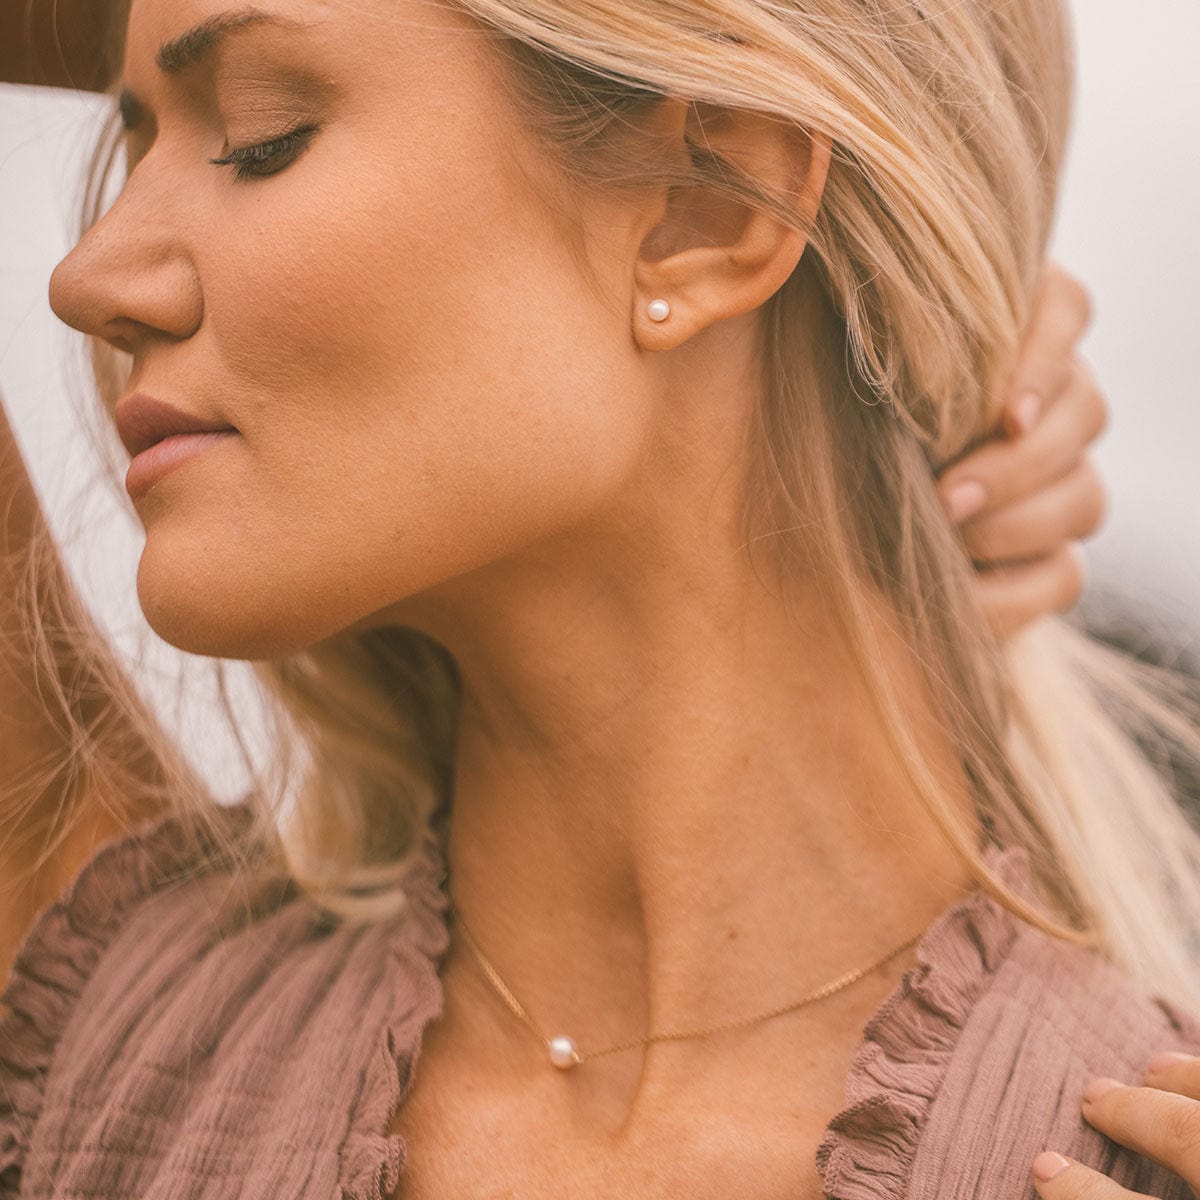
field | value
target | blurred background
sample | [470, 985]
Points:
[1127, 225]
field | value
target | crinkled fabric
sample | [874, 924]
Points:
[151, 1048]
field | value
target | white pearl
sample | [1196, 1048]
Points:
[659, 310]
[562, 1052]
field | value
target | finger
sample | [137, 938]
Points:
[1174, 1072]
[1068, 510]
[1015, 596]
[1074, 1181]
[1161, 1125]
[1007, 470]
[1061, 313]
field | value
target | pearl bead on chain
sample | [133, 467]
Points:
[562, 1052]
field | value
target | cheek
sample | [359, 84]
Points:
[425, 383]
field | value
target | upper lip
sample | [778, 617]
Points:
[142, 420]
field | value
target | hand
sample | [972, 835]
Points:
[1160, 1119]
[1025, 498]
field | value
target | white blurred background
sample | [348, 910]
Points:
[1128, 225]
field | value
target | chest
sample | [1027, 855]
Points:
[745, 1122]
[750, 1132]
[539, 1168]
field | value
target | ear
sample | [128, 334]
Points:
[711, 257]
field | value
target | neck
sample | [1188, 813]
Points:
[675, 803]
[677, 812]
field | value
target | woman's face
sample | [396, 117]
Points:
[422, 381]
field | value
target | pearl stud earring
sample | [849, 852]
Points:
[659, 310]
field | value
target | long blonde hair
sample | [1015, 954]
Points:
[948, 121]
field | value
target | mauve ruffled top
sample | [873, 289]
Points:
[153, 1046]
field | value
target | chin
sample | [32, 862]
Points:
[208, 616]
[202, 630]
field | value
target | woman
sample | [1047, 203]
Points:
[574, 381]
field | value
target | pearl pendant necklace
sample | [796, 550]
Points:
[564, 1054]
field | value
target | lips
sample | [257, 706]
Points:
[142, 421]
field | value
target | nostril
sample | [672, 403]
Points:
[78, 294]
[122, 282]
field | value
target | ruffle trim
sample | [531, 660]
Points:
[60, 952]
[371, 1157]
[869, 1147]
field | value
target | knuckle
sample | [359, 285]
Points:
[1181, 1126]
[1070, 571]
[1091, 1186]
[1099, 411]
[1104, 1187]
[1047, 371]
[1096, 412]
[1047, 458]
[1066, 295]
[1055, 277]
[1095, 500]
[1086, 305]
[981, 541]
[1052, 269]
[1078, 299]
[1181, 1077]
[1006, 611]
[1083, 374]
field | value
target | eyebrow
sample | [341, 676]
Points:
[195, 44]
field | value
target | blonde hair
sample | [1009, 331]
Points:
[948, 121]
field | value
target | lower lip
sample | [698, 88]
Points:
[151, 465]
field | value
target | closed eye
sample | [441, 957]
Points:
[267, 158]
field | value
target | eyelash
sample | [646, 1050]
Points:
[246, 161]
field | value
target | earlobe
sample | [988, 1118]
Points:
[657, 327]
[658, 324]
[724, 257]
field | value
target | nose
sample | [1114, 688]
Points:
[131, 277]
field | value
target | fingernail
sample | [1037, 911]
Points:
[1048, 1164]
[1026, 411]
[1168, 1058]
[965, 499]
[1100, 1087]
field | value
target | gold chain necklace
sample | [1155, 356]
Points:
[563, 1051]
